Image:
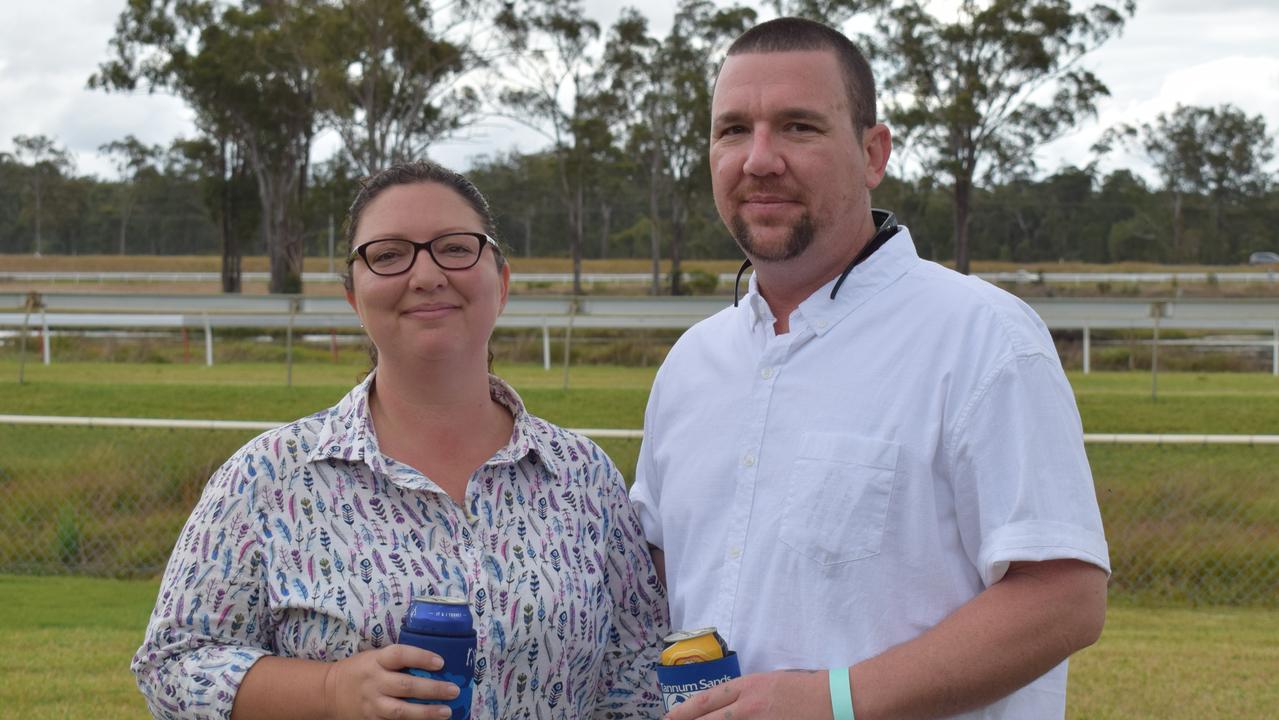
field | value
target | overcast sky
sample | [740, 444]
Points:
[1195, 52]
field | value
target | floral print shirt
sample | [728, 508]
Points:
[310, 543]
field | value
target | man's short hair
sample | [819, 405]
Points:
[791, 34]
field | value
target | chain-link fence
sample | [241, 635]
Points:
[1186, 525]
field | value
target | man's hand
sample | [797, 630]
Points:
[370, 685]
[789, 694]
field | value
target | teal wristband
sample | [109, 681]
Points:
[841, 695]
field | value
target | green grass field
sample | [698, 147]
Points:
[1171, 650]
[77, 635]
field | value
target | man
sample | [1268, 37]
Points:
[872, 467]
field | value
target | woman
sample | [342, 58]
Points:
[285, 591]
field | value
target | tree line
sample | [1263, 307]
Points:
[624, 113]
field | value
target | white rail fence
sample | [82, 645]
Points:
[594, 433]
[52, 312]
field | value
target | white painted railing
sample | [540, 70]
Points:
[619, 433]
[87, 310]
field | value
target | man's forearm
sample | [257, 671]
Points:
[1010, 634]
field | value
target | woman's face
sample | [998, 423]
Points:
[426, 313]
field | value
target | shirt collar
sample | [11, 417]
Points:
[818, 311]
[347, 431]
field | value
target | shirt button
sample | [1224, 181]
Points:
[749, 460]
[735, 552]
[821, 324]
[766, 373]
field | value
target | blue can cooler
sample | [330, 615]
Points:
[680, 682]
[444, 626]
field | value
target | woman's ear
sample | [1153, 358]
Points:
[505, 290]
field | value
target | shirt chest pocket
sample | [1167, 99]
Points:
[838, 495]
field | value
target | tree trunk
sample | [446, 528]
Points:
[284, 247]
[278, 178]
[606, 221]
[963, 197]
[576, 240]
[38, 193]
[283, 243]
[1178, 228]
[231, 263]
[126, 209]
[654, 219]
[679, 221]
[528, 233]
[1219, 226]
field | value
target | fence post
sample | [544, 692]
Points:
[1274, 355]
[546, 345]
[288, 340]
[44, 336]
[33, 302]
[568, 337]
[208, 342]
[1157, 311]
[1087, 349]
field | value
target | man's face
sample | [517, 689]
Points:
[789, 171]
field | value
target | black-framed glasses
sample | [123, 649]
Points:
[393, 256]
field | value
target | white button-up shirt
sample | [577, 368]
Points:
[825, 494]
[310, 543]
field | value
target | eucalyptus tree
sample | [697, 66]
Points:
[1219, 152]
[552, 85]
[515, 185]
[249, 71]
[634, 77]
[832, 12]
[974, 95]
[671, 81]
[228, 189]
[47, 163]
[132, 159]
[391, 72]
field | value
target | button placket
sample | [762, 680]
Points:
[775, 351]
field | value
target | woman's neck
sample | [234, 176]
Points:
[443, 422]
[431, 397]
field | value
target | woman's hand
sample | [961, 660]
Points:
[370, 685]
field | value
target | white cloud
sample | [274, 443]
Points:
[1249, 83]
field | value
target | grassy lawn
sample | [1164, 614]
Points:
[67, 644]
[77, 636]
[257, 391]
[1108, 401]
[1176, 664]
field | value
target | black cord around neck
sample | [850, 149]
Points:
[886, 224]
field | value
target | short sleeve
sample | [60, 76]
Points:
[644, 491]
[1023, 488]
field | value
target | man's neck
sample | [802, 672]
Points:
[784, 285]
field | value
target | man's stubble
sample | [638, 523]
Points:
[800, 238]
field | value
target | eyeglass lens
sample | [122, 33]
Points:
[451, 252]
